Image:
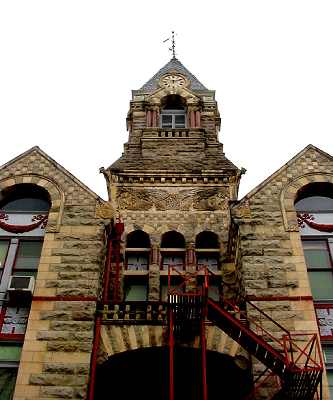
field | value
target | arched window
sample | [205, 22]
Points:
[172, 250]
[137, 265]
[137, 251]
[207, 250]
[173, 113]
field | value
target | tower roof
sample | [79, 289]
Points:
[173, 65]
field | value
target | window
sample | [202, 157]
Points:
[172, 250]
[173, 119]
[4, 245]
[10, 354]
[135, 288]
[27, 258]
[137, 251]
[173, 114]
[318, 261]
[207, 250]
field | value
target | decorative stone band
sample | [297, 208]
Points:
[64, 298]
[279, 298]
[308, 219]
[40, 221]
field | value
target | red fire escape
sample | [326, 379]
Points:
[294, 360]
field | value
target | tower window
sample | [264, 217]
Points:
[173, 114]
[173, 119]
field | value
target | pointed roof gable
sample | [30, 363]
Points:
[309, 147]
[41, 153]
[173, 65]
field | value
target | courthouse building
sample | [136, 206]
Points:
[173, 288]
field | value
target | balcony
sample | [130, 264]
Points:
[175, 133]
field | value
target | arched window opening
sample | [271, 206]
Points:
[207, 240]
[173, 113]
[314, 206]
[315, 197]
[138, 239]
[25, 198]
[137, 251]
[207, 250]
[172, 250]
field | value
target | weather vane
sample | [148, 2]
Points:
[173, 45]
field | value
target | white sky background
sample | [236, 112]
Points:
[67, 68]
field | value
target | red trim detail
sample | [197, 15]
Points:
[64, 298]
[40, 221]
[279, 298]
[12, 336]
[308, 219]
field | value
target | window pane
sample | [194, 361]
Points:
[330, 382]
[321, 283]
[136, 292]
[316, 254]
[137, 262]
[27, 204]
[166, 121]
[174, 261]
[7, 382]
[210, 261]
[3, 251]
[28, 255]
[179, 121]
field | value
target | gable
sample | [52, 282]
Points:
[36, 163]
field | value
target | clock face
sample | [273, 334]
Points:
[173, 80]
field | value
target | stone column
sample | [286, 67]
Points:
[154, 273]
[148, 115]
[190, 265]
[197, 119]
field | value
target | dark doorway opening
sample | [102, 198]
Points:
[143, 375]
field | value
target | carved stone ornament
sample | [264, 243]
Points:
[105, 211]
[173, 80]
[146, 199]
[243, 211]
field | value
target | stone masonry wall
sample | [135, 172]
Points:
[272, 263]
[55, 359]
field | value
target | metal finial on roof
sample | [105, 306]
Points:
[173, 45]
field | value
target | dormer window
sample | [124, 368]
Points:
[173, 114]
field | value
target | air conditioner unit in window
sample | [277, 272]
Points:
[21, 287]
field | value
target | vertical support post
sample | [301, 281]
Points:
[203, 338]
[203, 360]
[171, 356]
[97, 335]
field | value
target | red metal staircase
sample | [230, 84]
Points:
[294, 358]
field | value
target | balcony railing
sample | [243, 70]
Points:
[184, 133]
[135, 313]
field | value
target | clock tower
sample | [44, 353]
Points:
[173, 184]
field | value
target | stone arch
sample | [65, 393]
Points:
[189, 97]
[57, 196]
[288, 196]
[117, 339]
